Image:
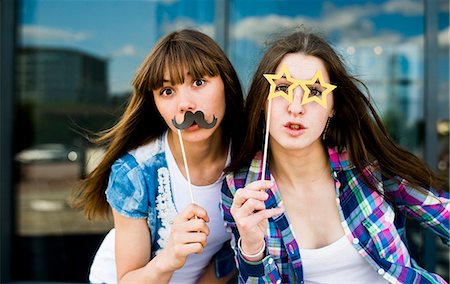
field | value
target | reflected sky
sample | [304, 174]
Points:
[124, 31]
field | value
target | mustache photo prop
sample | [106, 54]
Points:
[190, 118]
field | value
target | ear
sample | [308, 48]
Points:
[332, 113]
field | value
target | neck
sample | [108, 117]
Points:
[199, 152]
[299, 167]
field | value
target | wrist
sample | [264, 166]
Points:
[162, 265]
[254, 253]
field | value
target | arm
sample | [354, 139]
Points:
[431, 209]
[238, 208]
[133, 253]
[188, 235]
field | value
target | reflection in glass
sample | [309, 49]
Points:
[75, 61]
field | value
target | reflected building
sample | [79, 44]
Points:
[62, 90]
[51, 75]
[393, 76]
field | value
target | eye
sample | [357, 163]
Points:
[199, 82]
[315, 92]
[166, 92]
[282, 88]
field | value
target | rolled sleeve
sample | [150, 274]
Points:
[263, 271]
[431, 208]
[127, 191]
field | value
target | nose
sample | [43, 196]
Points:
[296, 106]
[186, 100]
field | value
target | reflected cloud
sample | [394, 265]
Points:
[384, 38]
[186, 23]
[443, 38]
[127, 50]
[357, 29]
[354, 20]
[403, 7]
[258, 29]
[30, 32]
[337, 17]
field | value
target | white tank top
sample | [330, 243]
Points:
[338, 262]
[208, 197]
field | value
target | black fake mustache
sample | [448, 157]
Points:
[190, 118]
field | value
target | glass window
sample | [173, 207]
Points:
[76, 59]
[382, 43]
[75, 63]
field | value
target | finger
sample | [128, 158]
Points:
[192, 211]
[259, 184]
[242, 195]
[189, 238]
[262, 215]
[191, 248]
[250, 206]
[195, 225]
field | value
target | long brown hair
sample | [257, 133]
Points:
[180, 51]
[355, 125]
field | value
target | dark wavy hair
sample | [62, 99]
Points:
[180, 51]
[355, 125]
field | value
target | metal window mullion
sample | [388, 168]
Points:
[430, 116]
[221, 23]
[7, 45]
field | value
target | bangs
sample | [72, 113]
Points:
[179, 57]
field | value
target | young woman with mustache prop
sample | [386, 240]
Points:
[161, 235]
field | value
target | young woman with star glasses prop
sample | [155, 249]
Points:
[332, 203]
[187, 105]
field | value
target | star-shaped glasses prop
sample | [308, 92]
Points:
[325, 89]
[273, 85]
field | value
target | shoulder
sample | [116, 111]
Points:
[340, 161]
[133, 163]
[143, 154]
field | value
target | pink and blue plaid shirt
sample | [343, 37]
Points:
[369, 222]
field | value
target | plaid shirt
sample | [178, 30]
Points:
[369, 222]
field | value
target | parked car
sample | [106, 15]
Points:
[49, 152]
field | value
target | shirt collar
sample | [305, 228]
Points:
[339, 160]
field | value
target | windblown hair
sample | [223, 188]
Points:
[178, 52]
[355, 125]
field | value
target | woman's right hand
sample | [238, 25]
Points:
[188, 236]
[251, 216]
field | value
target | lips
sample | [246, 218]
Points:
[294, 126]
[193, 127]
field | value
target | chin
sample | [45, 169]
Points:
[296, 145]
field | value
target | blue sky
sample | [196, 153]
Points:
[124, 31]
